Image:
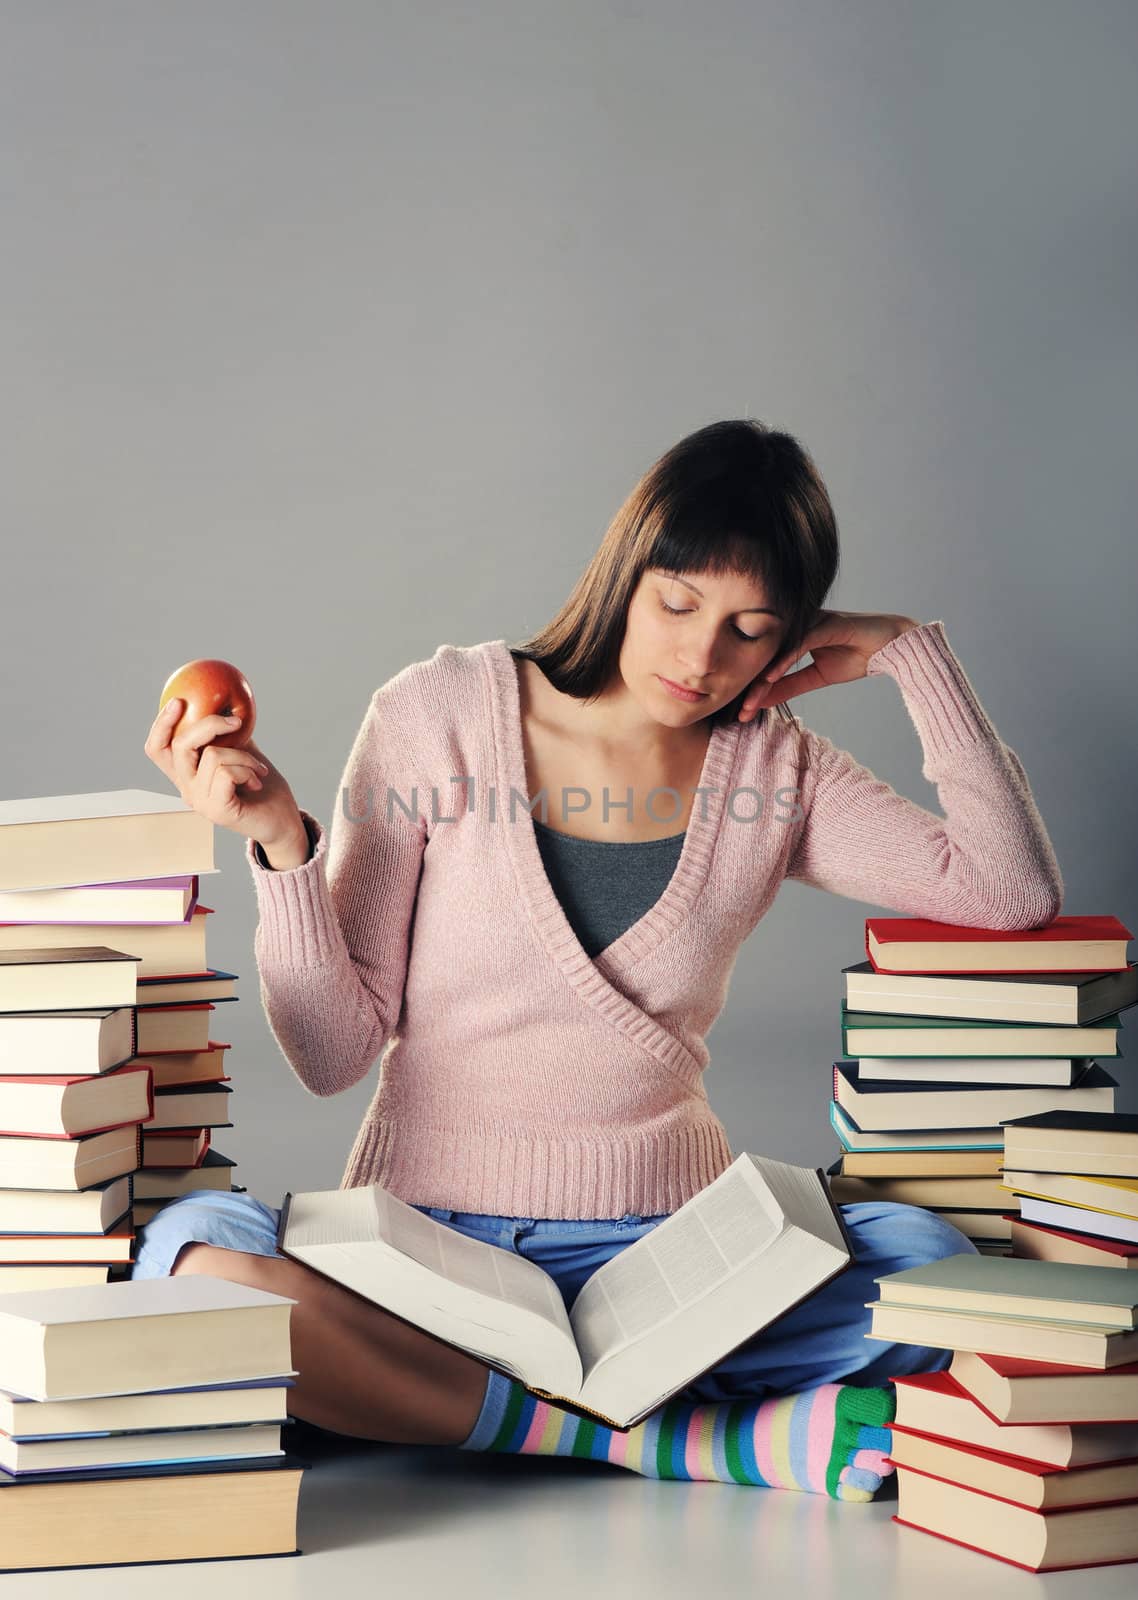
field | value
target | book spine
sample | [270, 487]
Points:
[282, 1225]
[836, 1209]
[575, 1406]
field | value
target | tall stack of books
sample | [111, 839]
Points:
[1026, 1449]
[951, 1031]
[104, 988]
[142, 1422]
[1075, 1175]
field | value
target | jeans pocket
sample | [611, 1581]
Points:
[440, 1213]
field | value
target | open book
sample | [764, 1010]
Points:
[753, 1243]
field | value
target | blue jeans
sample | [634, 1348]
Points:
[822, 1340]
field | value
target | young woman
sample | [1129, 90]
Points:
[541, 989]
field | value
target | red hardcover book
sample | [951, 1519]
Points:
[1120, 1513]
[59, 1081]
[156, 978]
[961, 1459]
[69, 1249]
[155, 1137]
[1112, 1247]
[884, 933]
[934, 1403]
[990, 1369]
[214, 1044]
[176, 977]
[179, 1005]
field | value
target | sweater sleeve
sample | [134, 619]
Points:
[987, 862]
[333, 935]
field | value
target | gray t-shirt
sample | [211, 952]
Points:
[605, 886]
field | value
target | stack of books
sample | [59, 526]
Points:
[948, 1033]
[1027, 1447]
[1075, 1175]
[105, 995]
[142, 1421]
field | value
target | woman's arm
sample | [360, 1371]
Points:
[334, 933]
[987, 862]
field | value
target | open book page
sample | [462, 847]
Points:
[688, 1255]
[488, 1301]
[736, 1256]
[470, 1263]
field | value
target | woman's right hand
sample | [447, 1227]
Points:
[235, 788]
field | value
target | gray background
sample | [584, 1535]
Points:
[334, 332]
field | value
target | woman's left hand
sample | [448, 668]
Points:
[840, 642]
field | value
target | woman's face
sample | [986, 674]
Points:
[714, 634]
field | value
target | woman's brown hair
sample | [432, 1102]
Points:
[735, 497]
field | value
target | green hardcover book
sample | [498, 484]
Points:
[881, 1033]
[1057, 1291]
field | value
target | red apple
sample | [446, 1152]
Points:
[213, 688]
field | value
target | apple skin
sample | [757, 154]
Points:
[213, 688]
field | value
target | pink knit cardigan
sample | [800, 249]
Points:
[521, 1077]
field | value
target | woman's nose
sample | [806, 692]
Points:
[699, 659]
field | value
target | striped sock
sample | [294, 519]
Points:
[829, 1440]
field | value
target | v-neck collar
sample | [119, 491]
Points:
[594, 976]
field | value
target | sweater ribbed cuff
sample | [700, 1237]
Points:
[298, 925]
[940, 699]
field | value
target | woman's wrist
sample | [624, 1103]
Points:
[284, 855]
[906, 625]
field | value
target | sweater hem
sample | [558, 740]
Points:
[505, 1174]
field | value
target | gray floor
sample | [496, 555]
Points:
[393, 1520]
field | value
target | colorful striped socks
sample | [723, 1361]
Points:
[829, 1440]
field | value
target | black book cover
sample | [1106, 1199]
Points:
[155, 1469]
[1091, 1077]
[1079, 1121]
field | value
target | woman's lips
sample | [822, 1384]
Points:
[690, 695]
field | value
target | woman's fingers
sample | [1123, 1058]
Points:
[163, 725]
[796, 683]
[233, 786]
[157, 745]
[219, 774]
[752, 700]
[188, 744]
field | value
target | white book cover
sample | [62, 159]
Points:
[109, 836]
[85, 807]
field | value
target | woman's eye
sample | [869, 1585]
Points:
[681, 611]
